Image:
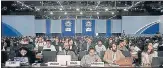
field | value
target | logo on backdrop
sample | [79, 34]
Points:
[68, 25]
[88, 26]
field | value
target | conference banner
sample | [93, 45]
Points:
[108, 28]
[88, 27]
[48, 27]
[68, 27]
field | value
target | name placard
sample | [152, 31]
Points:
[97, 64]
[63, 59]
[54, 64]
[12, 63]
[73, 63]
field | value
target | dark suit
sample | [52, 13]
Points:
[30, 55]
[74, 49]
[85, 48]
[57, 45]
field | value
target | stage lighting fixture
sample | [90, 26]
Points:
[77, 9]
[106, 9]
[97, 13]
[162, 10]
[61, 9]
[112, 13]
[51, 12]
[125, 10]
[65, 13]
[81, 13]
[37, 9]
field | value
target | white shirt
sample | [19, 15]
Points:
[100, 48]
[135, 48]
[155, 45]
[40, 44]
[24, 42]
[51, 47]
[148, 58]
[114, 56]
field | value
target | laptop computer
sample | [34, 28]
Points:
[23, 60]
[157, 61]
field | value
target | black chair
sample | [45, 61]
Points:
[126, 53]
[46, 49]
[102, 54]
[49, 56]
[157, 61]
[40, 48]
[160, 53]
[160, 48]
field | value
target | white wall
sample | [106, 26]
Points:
[133, 23]
[161, 24]
[116, 26]
[100, 26]
[22, 23]
[78, 26]
[40, 26]
[56, 26]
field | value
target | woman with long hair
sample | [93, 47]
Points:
[148, 54]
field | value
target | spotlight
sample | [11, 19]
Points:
[81, 13]
[65, 13]
[77, 9]
[51, 12]
[97, 13]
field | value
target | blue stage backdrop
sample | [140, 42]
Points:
[108, 28]
[88, 27]
[68, 27]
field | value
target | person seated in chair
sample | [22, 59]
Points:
[100, 47]
[113, 55]
[90, 58]
[72, 46]
[66, 51]
[24, 52]
[148, 54]
[121, 46]
[49, 46]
